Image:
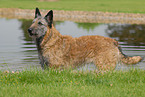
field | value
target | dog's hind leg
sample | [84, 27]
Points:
[107, 60]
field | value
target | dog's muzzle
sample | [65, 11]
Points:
[30, 31]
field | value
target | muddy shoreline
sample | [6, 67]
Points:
[77, 16]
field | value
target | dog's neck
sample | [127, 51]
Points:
[38, 42]
[45, 39]
[41, 40]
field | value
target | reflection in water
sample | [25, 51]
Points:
[17, 49]
[132, 34]
[72, 29]
[87, 26]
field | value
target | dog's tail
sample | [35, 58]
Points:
[127, 59]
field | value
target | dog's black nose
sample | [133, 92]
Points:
[30, 31]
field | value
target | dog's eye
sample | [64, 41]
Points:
[40, 23]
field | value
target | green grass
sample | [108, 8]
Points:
[52, 83]
[126, 6]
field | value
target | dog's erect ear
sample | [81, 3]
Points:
[49, 18]
[37, 13]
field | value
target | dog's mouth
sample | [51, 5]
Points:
[31, 32]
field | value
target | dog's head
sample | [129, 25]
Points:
[40, 24]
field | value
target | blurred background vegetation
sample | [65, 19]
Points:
[126, 6]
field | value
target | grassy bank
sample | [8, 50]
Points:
[126, 6]
[53, 83]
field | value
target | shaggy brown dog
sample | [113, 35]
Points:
[60, 51]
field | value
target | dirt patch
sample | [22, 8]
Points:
[77, 16]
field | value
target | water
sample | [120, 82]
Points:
[18, 51]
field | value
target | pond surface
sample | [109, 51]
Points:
[18, 51]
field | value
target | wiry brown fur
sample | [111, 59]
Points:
[61, 51]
